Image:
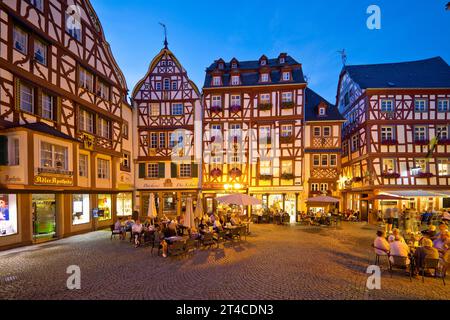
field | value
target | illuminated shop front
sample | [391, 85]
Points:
[104, 205]
[8, 215]
[44, 216]
[81, 209]
[275, 203]
[124, 204]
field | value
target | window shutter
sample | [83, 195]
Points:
[141, 170]
[194, 170]
[39, 103]
[17, 94]
[57, 111]
[3, 150]
[161, 170]
[174, 170]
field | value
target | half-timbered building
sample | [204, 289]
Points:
[167, 106]
[253, 131]
[323, 125]
[65, 139]
[396, 113]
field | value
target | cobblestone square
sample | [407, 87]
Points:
[275, 262]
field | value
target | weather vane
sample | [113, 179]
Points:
[343, 56]
[166, 44]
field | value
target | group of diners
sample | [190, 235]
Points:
[414, 249]
[164, 232]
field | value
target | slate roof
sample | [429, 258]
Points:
[429, 73]
[249, 72]
[44, 128]
[311, 111]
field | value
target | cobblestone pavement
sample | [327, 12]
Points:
[275, 262]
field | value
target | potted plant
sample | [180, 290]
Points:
[216, 173]
[285, 139]
[424, 175]
[287, 105]
[389, 142]
[216, 109]
[265, 106]
[287, 176]
[265, 177]
[422, 142]
[235, 173]
[357, 179]
[391, 175]
[235, 109]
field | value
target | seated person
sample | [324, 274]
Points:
[160, 238]
[430, 232]
[137, 231]
[398, 248]
[425, 252]
[442, 243]
[171, 230]
[235, 220]
[442, 229]
[129, 223]
[396, 233]
[217, 226]
[446, 216]
[381, 245]
[426, 217]
[118, 227]
[212, 218]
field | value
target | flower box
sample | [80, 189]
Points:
[216, 109]
[266, 177]
[287, 105]
[265, 141]
[391, 175]
[444, 142]
[357, 179]
[423, 175]
[287, 176]
[422, 142]
[235, 109]
[216, 173]
[265, 106]
[235, 173]
[286, 139]
[389, 142]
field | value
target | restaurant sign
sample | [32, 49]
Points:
[88, 141]
[46, 180]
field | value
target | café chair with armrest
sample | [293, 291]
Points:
[114, 232]
[429, 264]
[400, 263]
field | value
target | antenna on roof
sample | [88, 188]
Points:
[343, 56]
[166, 44]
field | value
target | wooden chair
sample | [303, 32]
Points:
[401, 264]
[221, 236]
[156, 243]
[430, 264]
[378, 257]
[177, 249]
[191, 246]
[114, 232]
[208, 240]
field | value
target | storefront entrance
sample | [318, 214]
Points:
[44, 216]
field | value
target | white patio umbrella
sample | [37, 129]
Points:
[189, 215]
[198, 214]
[152, 213]
[240, 200]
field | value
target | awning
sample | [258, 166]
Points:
[419, 193]
[384, 197]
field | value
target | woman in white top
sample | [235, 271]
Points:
[381, 245]
[399, 249]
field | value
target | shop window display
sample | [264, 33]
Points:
[104, 207]
[124, 204]
[81, 209]
[8, 215]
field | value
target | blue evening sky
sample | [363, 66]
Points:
[310, 31]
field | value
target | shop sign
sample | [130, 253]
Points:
[53, 181]
[88, 141]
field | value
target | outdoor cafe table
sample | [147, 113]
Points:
[175, 239]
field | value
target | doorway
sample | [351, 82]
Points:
[44, 217]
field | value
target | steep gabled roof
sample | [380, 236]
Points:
[313, 100]
[429, 73]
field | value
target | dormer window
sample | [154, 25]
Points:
[265, 77]
[235, 81]
[282, 60]
[216, 81]
[234, 65]
[322, 111]
[263, 62]
[221, 66]
[286, 76]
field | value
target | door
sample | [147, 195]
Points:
[44, 217]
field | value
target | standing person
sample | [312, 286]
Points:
[395, 217]
[137, 231]
[388, 218]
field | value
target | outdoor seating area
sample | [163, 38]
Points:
[185, 234]
[418, 254]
